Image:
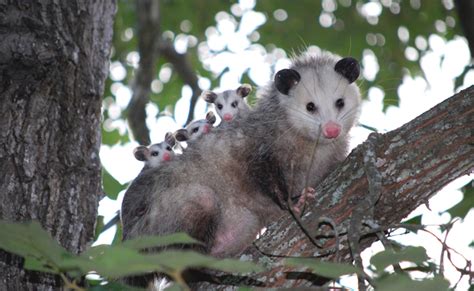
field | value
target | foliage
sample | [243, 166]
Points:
[43, 254]
[382, 278]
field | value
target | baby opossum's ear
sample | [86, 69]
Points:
[285, 79]
[181, 134]
[349, 68]
[170, 139]
[244, 90]
[209, 96]
[141, 153]
[210, 117]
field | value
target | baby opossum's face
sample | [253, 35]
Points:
[321, 102]
[229, 103]
[155, 154]
[198, 128]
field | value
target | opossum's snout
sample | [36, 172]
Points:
[227, 117]
[331, 130]
[206, 128]
[166, 157]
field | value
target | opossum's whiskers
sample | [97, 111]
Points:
[348, 114]
[306, 116]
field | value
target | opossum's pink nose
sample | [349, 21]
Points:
[206, 128]
[227, 117]
[331, 130]
[166, 157]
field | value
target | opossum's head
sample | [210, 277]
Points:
[196, 128]
[157, 153]
[319, 95]
[154, 155]
[228, 103]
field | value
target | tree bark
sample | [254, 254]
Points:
[53, 64]
[383, 180]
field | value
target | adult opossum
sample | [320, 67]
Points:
[236, 179]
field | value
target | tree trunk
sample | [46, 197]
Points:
[382, 181]
[53, 64]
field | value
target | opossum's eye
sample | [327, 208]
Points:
[154, 153]
[168, 148]
[234, 104]
[219, 106]
[339, 103]
[311, 107]
[195, 130]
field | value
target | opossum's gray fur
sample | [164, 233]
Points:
[236, 179]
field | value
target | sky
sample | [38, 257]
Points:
[441, 64]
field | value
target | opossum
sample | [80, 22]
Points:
[196, 128]
[157, 153]
[229, 104]
[154, 156]
[258, 161]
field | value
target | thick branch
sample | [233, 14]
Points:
[185, 70]
[148, 37]
[414, 162]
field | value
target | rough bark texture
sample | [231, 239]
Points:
[53, 64]
[412, 162]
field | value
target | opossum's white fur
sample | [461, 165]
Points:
[323, 86]
[236, 179]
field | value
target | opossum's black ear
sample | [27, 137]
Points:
[349, 68]
[244, 90]
[141, 153]
[181, 134]
[209, 96]
[210, 117]
[170, 139]
[285, 79]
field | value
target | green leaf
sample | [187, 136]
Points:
[389, 257]
[174, 287]
[115, 286]
[326, 269]
[157, 241]
[111, 186]
[98, 226]
[118, 235]
[414, 220]
[30, 240]
[467, 203]
[177, 261]
[37, 265]
[471, 245]
[398, 282]
[118, 261]
[111, 137]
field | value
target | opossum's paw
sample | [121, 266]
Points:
[307, 193]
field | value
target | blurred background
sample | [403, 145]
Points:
[413, 54]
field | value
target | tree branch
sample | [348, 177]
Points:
[414, 162]
[148, 38]
[185, 70]
[466, 13]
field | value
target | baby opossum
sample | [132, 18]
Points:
[196, 128]
[258, 161]
[155, 154]
[229, 104]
